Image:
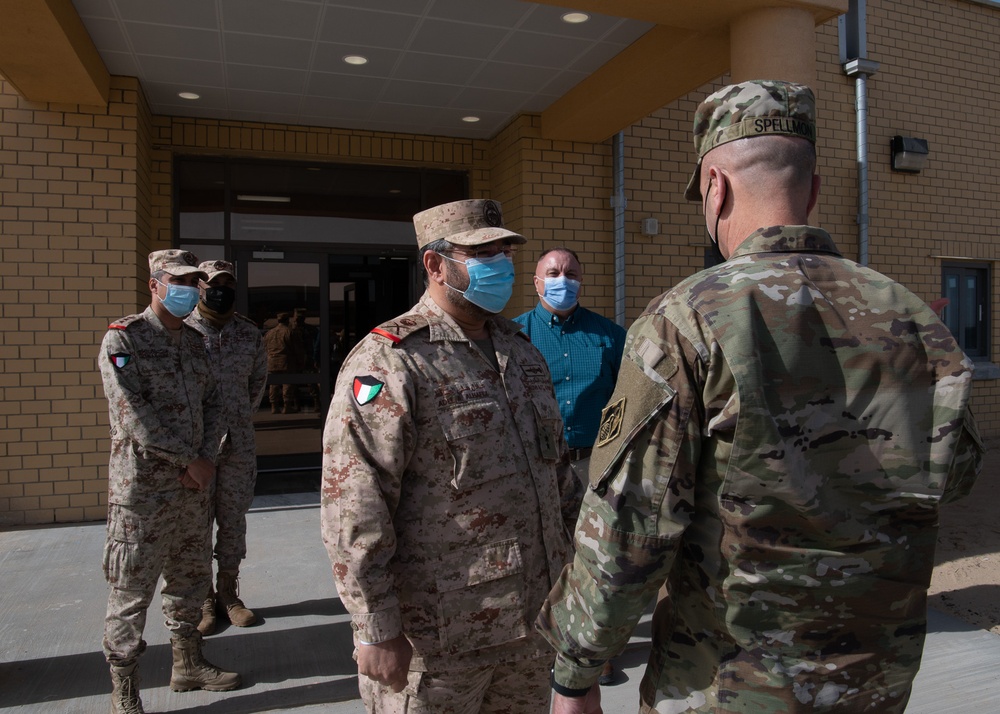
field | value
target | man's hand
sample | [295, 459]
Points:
[199, 474]
[588, 704]
[386, 662]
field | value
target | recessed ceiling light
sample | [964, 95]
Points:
[575, 18]
[188, 95]
[470, 119]
[355, 59]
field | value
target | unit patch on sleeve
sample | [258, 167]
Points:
[366, 389]
[611, 422]
[120, 360]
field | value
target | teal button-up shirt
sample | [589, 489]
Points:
[583, 352]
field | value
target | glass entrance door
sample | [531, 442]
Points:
[282, 296]
[312, 309]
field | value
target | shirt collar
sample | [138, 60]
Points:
[786, 239]
[444, 328]
[551, 319]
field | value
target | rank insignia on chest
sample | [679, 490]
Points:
[611, 422]
[120, 360]
[366, 389]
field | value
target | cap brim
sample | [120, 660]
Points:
[693, 190]
[485, 235]
[186, 270]
[211, 276]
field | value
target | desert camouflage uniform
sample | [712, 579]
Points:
[239, 362]
[783, 431]
[448, 499]
[165, 412]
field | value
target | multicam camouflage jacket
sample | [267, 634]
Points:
[163, 404]
[783, 431]
[448, 499]
[237, 354]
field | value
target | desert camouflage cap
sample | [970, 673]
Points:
[175, 262]
[756, 108]
[472, 222]
[211, 268]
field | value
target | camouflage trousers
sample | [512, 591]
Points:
[520, 687]
[144, 541]
[235, 479]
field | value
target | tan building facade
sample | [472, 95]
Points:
[87, 192]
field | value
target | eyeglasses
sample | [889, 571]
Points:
[507, 249]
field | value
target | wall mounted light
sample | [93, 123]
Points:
[908, 154]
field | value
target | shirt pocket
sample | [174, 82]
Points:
[478, 439]
[549, 427]
[481, 597]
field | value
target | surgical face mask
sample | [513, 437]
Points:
[491, 281]
[180, 299]
[561, 292]
[220, 299]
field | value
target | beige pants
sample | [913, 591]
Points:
[520, 687]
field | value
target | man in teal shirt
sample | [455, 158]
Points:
[583, 351]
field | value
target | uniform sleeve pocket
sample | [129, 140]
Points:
[481, 597]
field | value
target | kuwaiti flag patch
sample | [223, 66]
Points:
[366, 389]
[120, 360]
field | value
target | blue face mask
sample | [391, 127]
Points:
[491, 281]
[180, 299]
[561, 292]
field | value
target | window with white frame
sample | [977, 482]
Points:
[967, 287]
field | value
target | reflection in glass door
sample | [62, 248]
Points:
[283, 299]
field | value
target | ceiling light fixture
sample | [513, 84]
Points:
[263, 199]
[355, 59]
[470, 119]
[188, 95]
[575, 18]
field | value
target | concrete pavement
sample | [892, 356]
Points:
[298, 658]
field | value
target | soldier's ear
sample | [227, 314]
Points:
[434, 265]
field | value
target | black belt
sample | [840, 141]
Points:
[579, 454]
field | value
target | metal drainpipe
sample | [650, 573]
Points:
[618, 203]
[860, 70]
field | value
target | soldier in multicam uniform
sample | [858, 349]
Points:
[448, 498]
[784, 429]
[166, 423]
[237, 354]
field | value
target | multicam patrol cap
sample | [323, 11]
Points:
[175, 262]
[756, 108]
[211, 268]
[471, 222]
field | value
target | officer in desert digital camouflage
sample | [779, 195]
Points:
[784, 428]
[448, 498]
[166, 423]
[236, 351]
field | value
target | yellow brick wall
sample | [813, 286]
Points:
[85, 194]
[70, 208]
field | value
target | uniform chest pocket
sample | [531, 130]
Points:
[548, 423]
[480, 442]
[481, 601]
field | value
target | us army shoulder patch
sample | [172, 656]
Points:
[611, 422]
[120, 359]
[366, 389]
